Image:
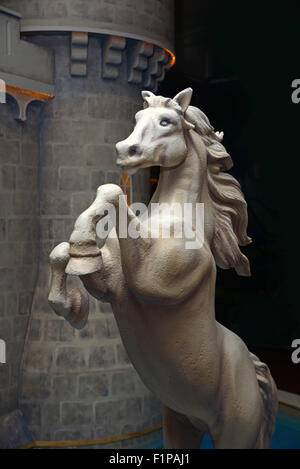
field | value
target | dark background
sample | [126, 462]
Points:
[240, 58]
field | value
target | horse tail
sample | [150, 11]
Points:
[268, 392]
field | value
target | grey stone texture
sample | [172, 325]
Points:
[23, 65]
[69, 375]
[68, 384]
[13, 431]
[19, 245]
[146, 18]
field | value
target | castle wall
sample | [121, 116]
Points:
[144, 19]
[69, 384]
[19, 235]
[80, 384]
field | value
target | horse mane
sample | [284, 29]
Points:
[229, 205]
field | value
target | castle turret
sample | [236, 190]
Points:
[96, 57]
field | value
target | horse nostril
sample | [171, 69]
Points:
[133, 150]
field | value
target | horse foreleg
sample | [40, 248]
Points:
[85, 255]
[73, 305]
[178, 432]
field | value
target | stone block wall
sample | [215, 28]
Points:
[147, 18]
[80, 384]
[69, 384]
[19, 234]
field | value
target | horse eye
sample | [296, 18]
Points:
[165, 122]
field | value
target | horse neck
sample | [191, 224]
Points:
[186, 183]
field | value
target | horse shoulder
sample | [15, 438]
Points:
[172, 272]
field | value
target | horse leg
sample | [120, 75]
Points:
[178, 432]
[85, 256]
[237, 436]
[73, 305]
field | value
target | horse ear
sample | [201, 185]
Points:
[146, 95]
[184, 98]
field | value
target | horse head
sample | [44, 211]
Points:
[159, 135]
[166, 130]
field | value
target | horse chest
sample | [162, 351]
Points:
[171, 349]
[169, 273]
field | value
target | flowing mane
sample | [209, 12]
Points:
[231, 218]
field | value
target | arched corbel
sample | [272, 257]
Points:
[24, 97]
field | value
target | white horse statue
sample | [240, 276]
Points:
[162, 293]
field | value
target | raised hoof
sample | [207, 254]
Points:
[60, 255]
[77, 325]
[83, 265]
[78, 316]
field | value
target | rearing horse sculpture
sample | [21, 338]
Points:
[162, 294]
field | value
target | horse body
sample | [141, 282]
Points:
[162, 294]
[190, 361]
